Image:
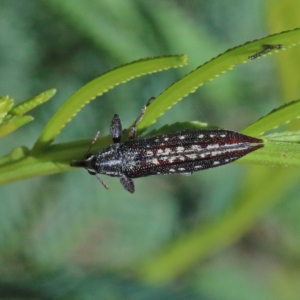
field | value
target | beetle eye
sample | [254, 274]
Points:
[88, 156]
[92, 172]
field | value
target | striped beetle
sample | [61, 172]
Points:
[182, 152]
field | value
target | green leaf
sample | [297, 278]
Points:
[212, 69]
[286, 136]
[279, 116]
[101, 85]
[283, 154]
[56, 158]
[13, 123]
[6, 105]
[11, 117]
[15, 155]
[33, 102]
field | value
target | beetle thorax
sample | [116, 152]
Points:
[109, 161]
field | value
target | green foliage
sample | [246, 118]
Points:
[11, 118]
[53, 160]
[64, 237]
[99, 86]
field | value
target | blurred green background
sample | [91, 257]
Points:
[227, 233]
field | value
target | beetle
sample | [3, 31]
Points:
[266, 49]
[183, 152]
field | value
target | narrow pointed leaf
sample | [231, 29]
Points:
[101, 85]
[6, 105]
[13, 124]
[33, 102]
[279, 116]
[212, 69]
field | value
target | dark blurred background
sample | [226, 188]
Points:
[65, 237]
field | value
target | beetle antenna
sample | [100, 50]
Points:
[102, 182]
[93, 142]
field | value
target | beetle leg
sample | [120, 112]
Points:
[132, 133]
[127, 183]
